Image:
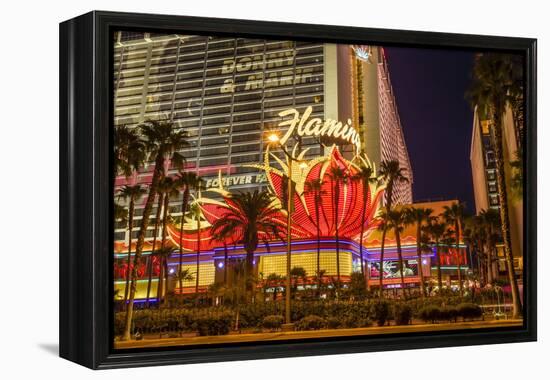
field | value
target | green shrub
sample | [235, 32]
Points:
[252, 315]
[355, 321]
[119, 323]
[381, 312]
[213, 323]
[273, 322]
[430, 313]
[402, 314]
[448, 313]
[364, 322]
[469, 311]
[333, 322]
[310, 322]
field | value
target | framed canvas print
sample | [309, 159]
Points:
[238, 189]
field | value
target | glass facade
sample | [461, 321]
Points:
[226, 93]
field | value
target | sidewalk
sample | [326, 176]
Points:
[274, 336]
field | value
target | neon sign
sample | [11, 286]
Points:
[304, 126]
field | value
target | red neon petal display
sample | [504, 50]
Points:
[348, 194]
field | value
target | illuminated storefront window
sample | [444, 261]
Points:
[391, 269]
[308, 261]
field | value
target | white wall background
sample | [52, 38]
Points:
[29, 167]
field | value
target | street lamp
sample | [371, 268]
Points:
[274, 139]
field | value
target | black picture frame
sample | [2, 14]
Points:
[86, 185]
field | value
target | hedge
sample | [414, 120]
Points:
[336, 314]
[402, 314]
[433, 313]
[310, 322]
[273, 322]
[203, 321]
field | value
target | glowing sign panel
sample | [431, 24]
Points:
[304, 126]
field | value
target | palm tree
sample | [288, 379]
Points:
[315, 187]
[274, 280]
[162, 141]
[391, 173]
[196, 213]
[120, 213]
[235, 291]
[163, 253]
[160, 202]
[418, 216]
[252, 214]
[382, 226]
[490, 221]
[297, 273]
[131, 194]
[436, 230]
[454, 217]
[397, 219]
[448, 241]
[496, 83]
[224, 239]
[183, 275]
[365, 176]
[475, 239]
[129, 152]
[215, 291]
[187, 180]
[338, 176]
[169, 189]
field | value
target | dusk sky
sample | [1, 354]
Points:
[429, 87]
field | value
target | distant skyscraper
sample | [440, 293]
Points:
[482, 160]
[378, 117]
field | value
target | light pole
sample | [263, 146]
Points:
[273, 138]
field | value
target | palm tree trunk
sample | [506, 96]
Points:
[381, 265]
[439, 281]
[157, 175]
[389, 194]
[248, 273]
[163, 273]
[129, 260]
[503, 200]
[480, 256]
[400, 256]
[155, 233]
[317, 196]
[489, 264]
[419, 254]
[184, 200]
[198, 258]
[459, 258]
[337, 238]
[225, 264]
[166, 274]
[362, 232]
[160, 283]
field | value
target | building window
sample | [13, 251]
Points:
[130, 36]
